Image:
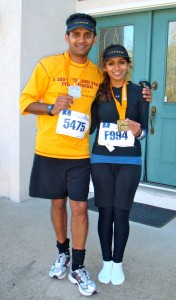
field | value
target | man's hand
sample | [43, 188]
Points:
[62, 102]
[147, 94]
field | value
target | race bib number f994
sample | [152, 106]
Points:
[110, 137]
[72, 123]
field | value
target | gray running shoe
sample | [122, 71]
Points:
[58, 269]
[81, 277]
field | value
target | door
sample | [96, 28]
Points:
[150, 38]
[134, 32]
[161, 142]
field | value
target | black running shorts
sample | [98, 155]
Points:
[54, 178]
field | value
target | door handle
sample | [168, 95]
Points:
[154, 85]
[152, 113]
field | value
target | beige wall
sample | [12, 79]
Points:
[10, 22]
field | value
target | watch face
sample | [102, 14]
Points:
[49, 108]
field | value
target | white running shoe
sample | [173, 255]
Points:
[58, 269]
[81, 277]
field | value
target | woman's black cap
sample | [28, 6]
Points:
[115, 51]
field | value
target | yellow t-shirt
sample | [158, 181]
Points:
[47, 82]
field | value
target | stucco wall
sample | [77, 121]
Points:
[10, 18]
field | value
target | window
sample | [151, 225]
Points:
[170, 89]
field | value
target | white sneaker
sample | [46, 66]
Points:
[58, 269]
[81, 277]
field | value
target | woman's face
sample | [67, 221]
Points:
[117, 68]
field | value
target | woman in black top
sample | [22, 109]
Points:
[120, 115]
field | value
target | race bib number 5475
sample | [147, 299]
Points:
[72, 123]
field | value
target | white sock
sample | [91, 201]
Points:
[105, 274]
[117, 276]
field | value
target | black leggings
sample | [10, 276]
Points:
[113, 222]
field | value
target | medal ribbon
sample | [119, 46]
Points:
[121, 108]
[67, 65]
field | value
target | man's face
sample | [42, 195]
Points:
[80, 41]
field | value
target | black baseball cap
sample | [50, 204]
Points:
[115, 50]
[81, 21]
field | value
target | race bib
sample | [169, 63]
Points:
[110, 137]
[72, 123]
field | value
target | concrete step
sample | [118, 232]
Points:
[157, 195]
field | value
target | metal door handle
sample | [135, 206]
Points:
[154, 85]
[153, 112]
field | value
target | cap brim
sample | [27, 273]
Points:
[112, 56]
[74, 27]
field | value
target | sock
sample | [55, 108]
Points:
[105, 274]
[117, 276]
[63, 247]
[78, 257]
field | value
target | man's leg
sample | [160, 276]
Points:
[78, 273]
[79, 224]
[79, 228]
[78, 178]
[59, 220]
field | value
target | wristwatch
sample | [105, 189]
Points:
[49, 108]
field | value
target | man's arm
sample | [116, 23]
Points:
[38, 108]
[147, 94]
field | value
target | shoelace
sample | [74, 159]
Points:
[85, 274]
[61, 259]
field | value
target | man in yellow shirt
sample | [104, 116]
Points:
[60, 92]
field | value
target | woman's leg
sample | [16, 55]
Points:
[105, 232]
[104, 186]
[127, 180]
[121, 233]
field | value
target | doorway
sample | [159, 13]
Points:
[150, 38]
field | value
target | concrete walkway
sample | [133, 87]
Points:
[27, 250]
